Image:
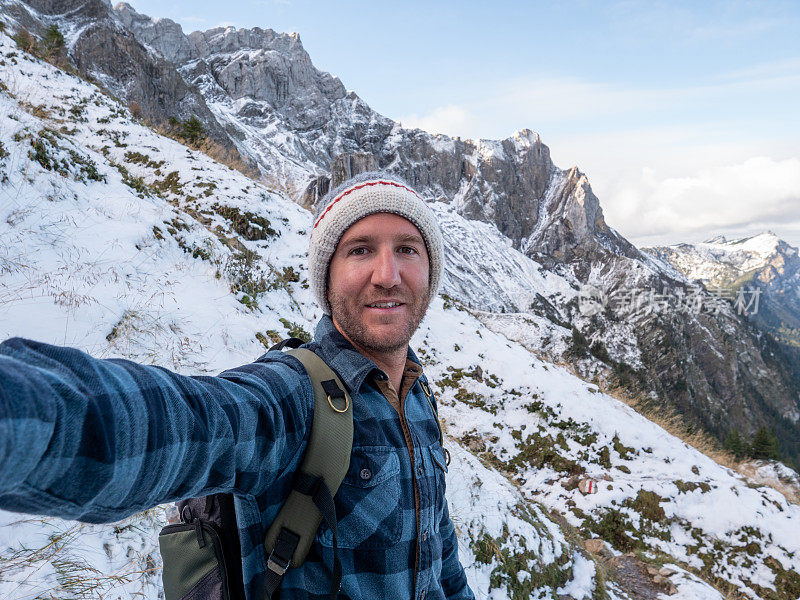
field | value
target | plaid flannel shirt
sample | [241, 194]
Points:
[98, 440]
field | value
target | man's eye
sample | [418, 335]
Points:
[408, 250]
[358, 251]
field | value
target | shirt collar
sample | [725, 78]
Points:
[350, 365]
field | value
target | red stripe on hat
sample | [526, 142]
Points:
[358, 187]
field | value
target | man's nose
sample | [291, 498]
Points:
[386, 273]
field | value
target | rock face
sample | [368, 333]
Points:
[257, 91]
[346, 166]
[294, 120]
[102, 48]
[761, 273]
[163, 35]
[268, 67]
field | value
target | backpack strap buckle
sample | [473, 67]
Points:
[277, 565]
[334, 392]
[280, 559]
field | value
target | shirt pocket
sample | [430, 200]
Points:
[440, 471]
[368, 503]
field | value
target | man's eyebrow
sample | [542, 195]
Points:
[401, 238]
[409, 237]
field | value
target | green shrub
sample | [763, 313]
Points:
[44, 150]
[138, 158]
[249, 225]
[53, 44]
[512, 557]
[598, 350]
[613, 527]
[580, 346]
[735, 444]
[296, 330]
[246, 277]
[648, 504]
[26, 41]
[623, 450]
[540, 450]
[51, 48]
[605, 457]
[190, 130]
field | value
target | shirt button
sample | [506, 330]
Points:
[422, 595]
[419, 469]
[366, 474]
[425, 536]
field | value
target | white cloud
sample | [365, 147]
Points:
[560, 100]
[451, 120]
[756, 194]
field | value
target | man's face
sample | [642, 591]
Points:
[380, 259]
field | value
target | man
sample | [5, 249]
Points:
[98, 440]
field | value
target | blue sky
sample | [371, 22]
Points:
[683, 114]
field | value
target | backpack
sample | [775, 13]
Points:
[201, 553]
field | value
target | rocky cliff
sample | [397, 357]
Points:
[761, 274]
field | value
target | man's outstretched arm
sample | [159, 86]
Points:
[97, 440]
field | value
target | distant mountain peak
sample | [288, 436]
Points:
[717, 239]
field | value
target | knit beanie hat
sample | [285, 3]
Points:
[354, 199]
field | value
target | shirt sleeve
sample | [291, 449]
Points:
[98, 440]
[454, 580]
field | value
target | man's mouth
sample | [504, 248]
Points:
[385, 305]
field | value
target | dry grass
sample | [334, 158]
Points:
[64, 565]
[38, 111]
[673, 423]
[229, 157]
[791, 491]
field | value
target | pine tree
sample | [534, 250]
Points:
[193, 130]
[53, 43]
[580, 345]
[765, 445]
[735, 444]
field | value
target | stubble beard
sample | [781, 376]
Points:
[353, 327]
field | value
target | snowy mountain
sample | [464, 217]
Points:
[719, 262]
[763, 271]
[125, 243]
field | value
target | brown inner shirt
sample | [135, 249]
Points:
[411, 373]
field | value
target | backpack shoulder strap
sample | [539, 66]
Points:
[426, 389]
[324, 466]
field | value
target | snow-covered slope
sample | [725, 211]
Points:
[125, 243]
